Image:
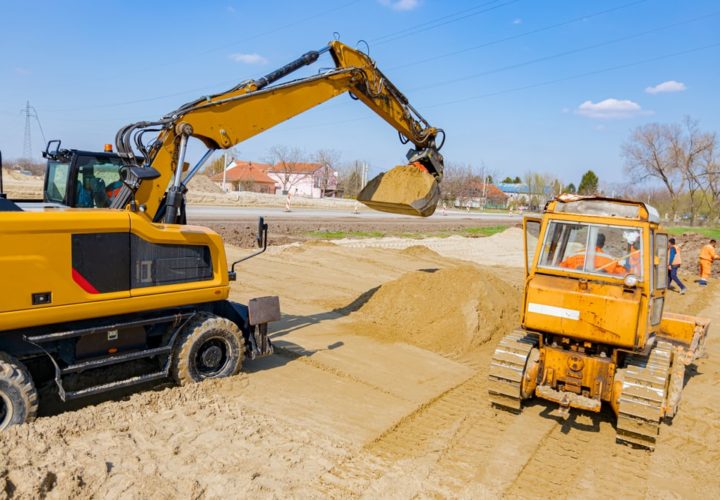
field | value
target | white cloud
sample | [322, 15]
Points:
[22, 71]
[610, 108]
[401, 5]
[669, 86]
[517, 21]
[248, 58]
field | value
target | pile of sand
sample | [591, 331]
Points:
[420, 251]
[450, 311]
[202, 183]
[403, 183]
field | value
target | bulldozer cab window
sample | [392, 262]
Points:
[593, 249]
[661, 258]
[98, 181]
[532, 232]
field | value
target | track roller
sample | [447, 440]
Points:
[644, 396]
[508, 382]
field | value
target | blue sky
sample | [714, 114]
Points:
[519, 85]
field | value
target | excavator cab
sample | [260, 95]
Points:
[411, 189]
[81, 179]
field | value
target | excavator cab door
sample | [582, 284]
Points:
[531, 235]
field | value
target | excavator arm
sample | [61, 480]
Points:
[154, 180]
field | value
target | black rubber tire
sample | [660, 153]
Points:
[207, 337]
[18, 396]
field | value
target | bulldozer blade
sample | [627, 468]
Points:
[405, 189]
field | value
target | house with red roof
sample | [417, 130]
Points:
[247, 176]
[310, 180]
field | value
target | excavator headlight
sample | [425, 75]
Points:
[631, 281]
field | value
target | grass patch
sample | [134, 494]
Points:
[709, 232]
[483, 231]
[469, 232]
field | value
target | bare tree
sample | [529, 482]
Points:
[350, 178]
[329, 159]
[649, 154]
[457, 184]
[688, 147]
[286, 166]
[710, 176]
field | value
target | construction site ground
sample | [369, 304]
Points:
[378, 389]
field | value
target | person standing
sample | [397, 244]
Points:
[675, 261]
[707, 256]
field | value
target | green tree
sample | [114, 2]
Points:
[570, 188]
[507, 180]
[517, 180]
[589, 183]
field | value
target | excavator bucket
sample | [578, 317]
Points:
[406, 189]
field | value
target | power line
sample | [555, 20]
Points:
[531, 86]
[579, 75]
[521, 35]
[437, 19]
[561, 54]
[433, 25]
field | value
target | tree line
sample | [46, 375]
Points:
[683, 161]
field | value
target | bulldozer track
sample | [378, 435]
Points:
[644, 393]
[507, 368]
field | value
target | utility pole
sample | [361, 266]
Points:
[30, 112]
[224, 171]
[27, 143]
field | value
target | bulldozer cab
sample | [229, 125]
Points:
[596, 271]
[81, 179]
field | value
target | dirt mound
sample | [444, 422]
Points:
[450, 311]
[419, 251]
[202, 183]
[306, 245]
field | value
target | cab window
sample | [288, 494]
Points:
[593, 249]
[57, 177]
[98, 181]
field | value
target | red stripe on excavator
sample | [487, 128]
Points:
[84, 284]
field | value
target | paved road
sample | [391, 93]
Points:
[219, 213]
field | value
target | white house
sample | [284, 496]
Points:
[310, 180]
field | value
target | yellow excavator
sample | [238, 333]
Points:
[105, 271]
[593, 327]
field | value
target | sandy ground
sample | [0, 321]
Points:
[378, 389]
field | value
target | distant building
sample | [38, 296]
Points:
[247, 176]
[310, 180]
[519, 195]
[477, 195]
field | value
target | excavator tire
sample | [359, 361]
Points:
[406, 189]
[18, 396]
[209, 347]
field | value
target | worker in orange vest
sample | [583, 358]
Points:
[674, 262]
[603, 262]
[707, 256]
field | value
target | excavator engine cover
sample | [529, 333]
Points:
[406, 189]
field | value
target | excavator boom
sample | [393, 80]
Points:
[223, 120]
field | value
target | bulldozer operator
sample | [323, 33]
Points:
[603, 262]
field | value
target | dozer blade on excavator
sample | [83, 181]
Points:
[406, 189]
